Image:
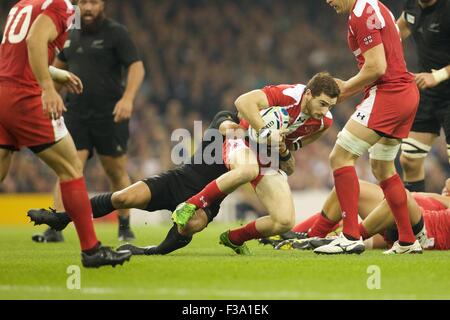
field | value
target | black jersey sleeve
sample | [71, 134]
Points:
[125, 47]
[222, 116]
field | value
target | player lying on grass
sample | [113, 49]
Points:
[308, 108]
[428, 213]
[169, 189]
[161, 192]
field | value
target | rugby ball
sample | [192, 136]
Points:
[275, 118]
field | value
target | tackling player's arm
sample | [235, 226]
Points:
[41, 33]
[374, 67]
[403, 27]
[431, 79]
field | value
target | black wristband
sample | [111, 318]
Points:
[286, 157]
[298, 145]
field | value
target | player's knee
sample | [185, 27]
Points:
[351, 148]
[69, 170]
[383, 171]
[284, 224]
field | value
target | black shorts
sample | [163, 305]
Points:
[103, 135]
[432, 115]
[169, 189]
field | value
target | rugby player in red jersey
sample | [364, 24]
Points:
[308, 108]
[31, 108]
[381, 120]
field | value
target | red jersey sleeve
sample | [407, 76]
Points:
[283, 95]
[61, 12]
[366, 27]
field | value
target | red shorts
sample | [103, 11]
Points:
[389, 110]
[437, 224]
[230, 146]
[22, 121]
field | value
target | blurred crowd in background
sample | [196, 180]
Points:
[200, 55]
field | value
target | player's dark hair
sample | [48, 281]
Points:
[323, 82]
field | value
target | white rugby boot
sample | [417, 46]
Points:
[398, 249]
[341, 245]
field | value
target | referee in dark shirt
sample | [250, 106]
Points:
[99, 54]
[428, 22]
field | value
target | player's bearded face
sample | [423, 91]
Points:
[91, 11]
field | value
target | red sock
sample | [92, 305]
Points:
[304, 226]
[395, 195]
[76, 202]
[207, 196]
[347, 190]
[322, 227]
[247, 232]
[363, 231]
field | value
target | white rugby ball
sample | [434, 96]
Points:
[274, 118]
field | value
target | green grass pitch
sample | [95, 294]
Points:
[206, 270]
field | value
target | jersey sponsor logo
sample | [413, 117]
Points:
[360, 115]
[203, 201]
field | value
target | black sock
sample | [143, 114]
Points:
[418, 226]
[415, 186]
[124, 222]
[172, 242]
[102, 205]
